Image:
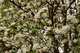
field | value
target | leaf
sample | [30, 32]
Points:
[79, 50]
[41, 13]
[14, 51]
[27, 52]
[76, 43]
[16, 25]
[33, 51]
[9, 22]
[78, 16]
[34, 30]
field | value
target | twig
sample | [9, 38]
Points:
[70, 5]
[22, 8]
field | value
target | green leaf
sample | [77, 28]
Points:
[15, 26]
[41, 13]
[9, 22]
[27, 52]
[34, 30]
[78, 16]
[79, 50]
[76, 43]
[33, 51]
[14, 51]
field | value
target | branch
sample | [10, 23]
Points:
[70, 5]
[21, 7]
[56, 8]
[18, 6]
[7, 48]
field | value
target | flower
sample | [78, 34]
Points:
[45, 27]
[49, 22]
[43, 49]
[23, 3]
[6, 52]
[5, 38]
[74, 21]
[64, 29]
[42, 10]
[1, 1]
[56, 36]
[10, 9]
[15, 15]
[75, 40]
[19, 51]
[78, 27]
[47, 30]
[38, 3]
[57, 30]
[35, 46]
[24, 48]
[12, 23]
[70, 17]
[2, 28]
[7, 45]
[37, 15]
[5, 10]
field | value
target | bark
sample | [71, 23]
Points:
[66, 45]
[51, 17]
[56, 46]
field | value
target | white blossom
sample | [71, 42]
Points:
[57, 30]
[10, 9]
[70, 17]
[13, 23]
[3, 19]
[42, 10]
[37, 15]
[23, 3]
[1, 1]
[64, 29]
[15, 15]
[45, 27]
[5, 38]
[78, 27]
[2, 28]
[74, 21]
[5, 10]
[43, 49]
[35, 46]
[19, 51]
[48, 28]
[24, 48]
[75, 40]
[7, 45]
[6, 52]
[49, 22]
[56, 36]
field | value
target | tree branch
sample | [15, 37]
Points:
[70, 5]
[21, 7]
